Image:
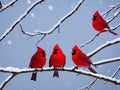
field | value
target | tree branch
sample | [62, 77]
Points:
[93, 38]
[113, 7]
[6, 81]
[108, 43]
[57, 25]
[114, 16]
[16, 71]
[101, 62]
[8, 5]
[87, 87]
[20, 19]
[114, 74]
[25, 70]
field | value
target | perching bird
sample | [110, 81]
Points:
[100, 24]
[80, 59]
[38, 60]
[57, 59]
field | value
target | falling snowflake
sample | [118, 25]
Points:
[29, 2]
[9, 42]
[32, 15]
[50, 7]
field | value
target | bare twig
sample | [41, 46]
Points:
[20, 19]
[113, 17]
[27, 33]
[87, 87]
[8, 5]
[109, 43]
[41, 38]
[111, 9]
[91, 40]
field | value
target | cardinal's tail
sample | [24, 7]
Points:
[34, 76]
[56, 74]
[91, 69]
[113, 32]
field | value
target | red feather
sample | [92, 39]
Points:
[38, 60]
[100, 24]
[80, 59]
[57, 59]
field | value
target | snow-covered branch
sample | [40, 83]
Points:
[6, 81]
[88, 86]
[4, 7]
[108, 43]
[16, 71]
[101, 62]
[25, 70]
[56, 26]
[11, 28]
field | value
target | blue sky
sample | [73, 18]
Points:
[17, 49]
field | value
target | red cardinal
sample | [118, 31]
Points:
[57, 59]
[80, 59]
[100, 24]
[38, 60]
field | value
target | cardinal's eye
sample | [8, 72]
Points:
[55, 51]
[73, 52]
[43, 54]
[94, 18]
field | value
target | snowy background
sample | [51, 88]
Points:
[16, 49]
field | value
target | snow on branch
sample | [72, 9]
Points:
[11, 28]
[16, 71]
[6, 81]
[4, 7]
[101, 62]
[88, 86]
[108, 43]
[70, 69]
[57, 25]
